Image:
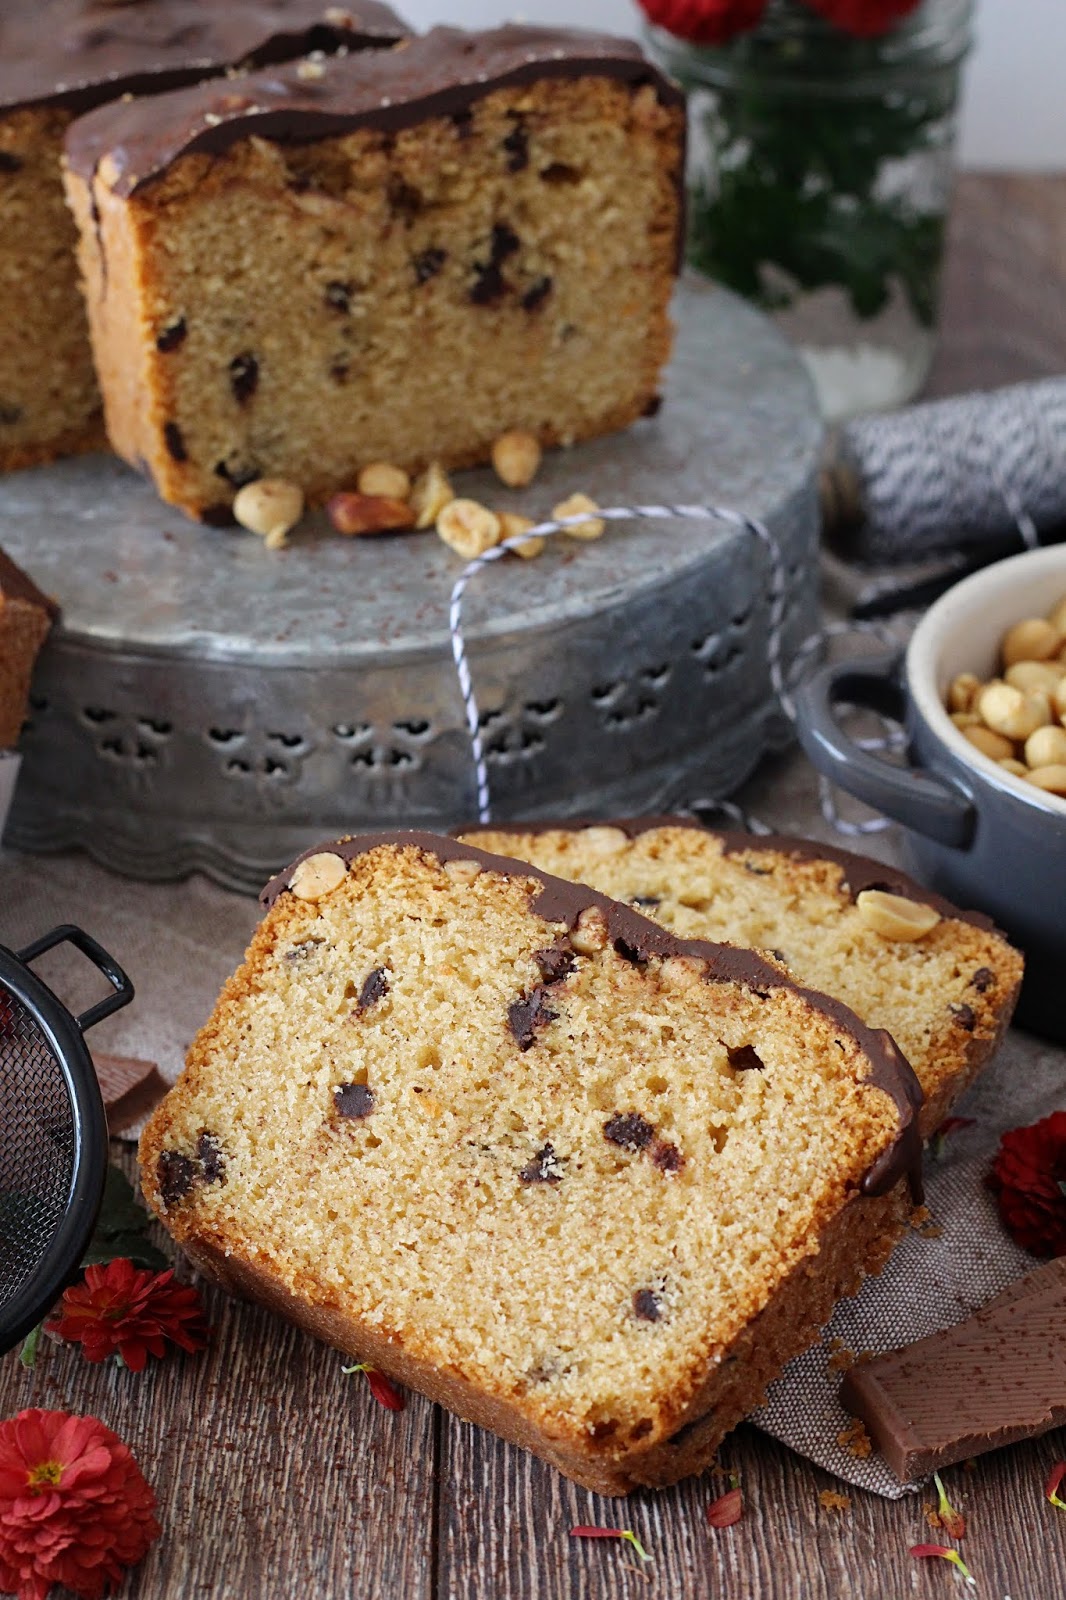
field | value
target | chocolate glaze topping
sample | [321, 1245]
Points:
[439, 74]
[560, 901]
[80, 53]
[860, 872]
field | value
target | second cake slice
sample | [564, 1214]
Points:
[585, 1183]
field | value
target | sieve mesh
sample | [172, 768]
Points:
[38, 1145]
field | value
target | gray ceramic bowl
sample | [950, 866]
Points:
[975, 833]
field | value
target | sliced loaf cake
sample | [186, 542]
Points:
[943, 982]
[583, 1182]
[395, 257]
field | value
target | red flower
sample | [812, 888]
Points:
[864, 18]
[1029, 1176]
[74, 1506]
[121, 1310]
[705, 21]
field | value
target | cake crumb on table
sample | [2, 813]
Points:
[830, 1500]
[855, 1440]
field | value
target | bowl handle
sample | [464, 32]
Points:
[932, 806]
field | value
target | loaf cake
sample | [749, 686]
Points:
[946, 996]
[511, 1143]
[26, 616]
[62, 57]
[397, 258]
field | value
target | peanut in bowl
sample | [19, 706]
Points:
[976, 830]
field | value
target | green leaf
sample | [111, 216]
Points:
[121, 1228]
[28, 1353]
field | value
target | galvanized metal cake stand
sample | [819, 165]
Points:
[209, 705]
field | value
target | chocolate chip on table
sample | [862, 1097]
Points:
[647, 1305]
[545, 1167]
[526, 1015]
[536, 294]
[745, 1058]
[375, 988]
[516, 145]
[983, 980]
[172, 336]
[964, 1015]
[628, 1129]
[209, 1155]
[555, 961]
[176, 1175]
[428, 263]
[666, 1156]
[353, 1100]
[243, 377]
[339, 296]
[175, 442]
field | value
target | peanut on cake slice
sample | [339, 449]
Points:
[583, 1182]
[942, 981]
[394, 257]
[58, 59]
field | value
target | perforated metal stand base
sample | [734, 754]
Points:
[211, 705]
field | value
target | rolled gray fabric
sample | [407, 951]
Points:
[951, 475]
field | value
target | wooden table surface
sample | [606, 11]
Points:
[278, 1476]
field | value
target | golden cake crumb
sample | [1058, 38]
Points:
[830, 1500]
[855, 1440]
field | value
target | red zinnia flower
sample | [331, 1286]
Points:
[864, 18]
[704, 21]
[121, 1310]
[74, 1506]
[1029, 1177]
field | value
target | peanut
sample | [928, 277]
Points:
[1051, 778]
[1012, 712]
[381, 478]
[966, 719]
[1046, 747]
[468, 528]
[463, 871]
[354, 513]
[511, 525]
[1057, 617]
[963, 688]
[1046, 675]
[604, 841]
[590, 934]
[590, 528]
[318, 875]
[270, 507]
[990, 744]
[516, 457]
[1034, 639]
[894, 917]
[1017, 768]
[431, 493]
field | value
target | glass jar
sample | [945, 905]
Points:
[819, 181]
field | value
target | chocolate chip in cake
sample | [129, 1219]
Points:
[756, 872]
[964, 1015]
[9, 162]
[405, 200]
[983, 979]
[536, 294]
[653, 406]
[488, 286]
[629, 952]
[516, 145]
[176, 1175]
[375, 988]
[647, 1305]
[525, 1016]
[340, 369]
[504, 243]
[302, 951]
[175, 442]
[428, 263]
[339, 296]
[237, 473]
[555, 961]
[745, 1058]
[666, 1156]
[9, 415]
[462, 121]
[172, 336]
[353, 1100]
[560, 172]
[545, 1167]
[243, 377]
[628, 1129]
[209, 1155]
[645, 900]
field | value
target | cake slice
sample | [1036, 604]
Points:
[946, 993]
[396, 257]
[26, 617]
[62, 57]
[585, 1183]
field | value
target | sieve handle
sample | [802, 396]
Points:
[69, 934]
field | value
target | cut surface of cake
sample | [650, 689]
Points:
[59, 58]
[944, 987]
[399, 258]
[26, 617]
[513, 1144]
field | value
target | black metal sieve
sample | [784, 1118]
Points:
[53, 1133]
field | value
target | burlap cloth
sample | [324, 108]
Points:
[180, 941]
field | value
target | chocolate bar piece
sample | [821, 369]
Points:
[131, 1088]
[996, 1378]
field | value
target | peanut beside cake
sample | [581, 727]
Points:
[59, 58]
[943, 982]
[389, 258]
[584, 1183]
